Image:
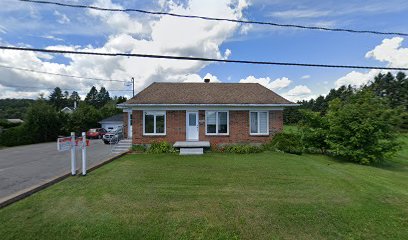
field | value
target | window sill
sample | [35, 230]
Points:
[259, 134]
[154, 135]
[217, 135]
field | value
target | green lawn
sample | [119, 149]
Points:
[219, 196]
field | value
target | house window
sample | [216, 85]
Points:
[259, 123]
[217, 122]
[154, 123]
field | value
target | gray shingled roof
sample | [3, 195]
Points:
[115, 118]
[207, 93]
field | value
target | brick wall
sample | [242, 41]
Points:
[238, 128]
[175, 128]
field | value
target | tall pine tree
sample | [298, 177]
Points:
[92, 97]
[57, 98]
[102, 97]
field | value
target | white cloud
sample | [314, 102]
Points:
[305, 77]
[356, 79]
[389, 51]
[300, 13]
[167, 36]
[197, 78]
[120, 22]
[299, 92]
[50, 37]
[62, 18]
[277, 84]
[227, 53]
[3, 29]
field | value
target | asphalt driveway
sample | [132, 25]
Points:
[26, 166]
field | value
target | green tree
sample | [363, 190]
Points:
[314, 129]
[92, 97]
[109, 109]
[57, 98]
[75, 97]
[84, 118]
[43, 122]
[102, 97]
[120, 99]
[362, 128]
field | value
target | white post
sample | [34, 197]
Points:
[83, 154]
[73, 157]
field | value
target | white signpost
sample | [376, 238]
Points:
[69, 143]
[82, 143]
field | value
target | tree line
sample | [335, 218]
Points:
[44, 121]
[93, 98]
[392, 89]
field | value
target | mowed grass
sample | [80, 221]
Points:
[219, 196]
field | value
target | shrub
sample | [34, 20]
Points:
[138, 148]
[241, 149]
[363, 129]
[161, 147]
[287, 142]
[15, 136]
[314, 129]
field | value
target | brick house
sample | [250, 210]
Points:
[218, 113]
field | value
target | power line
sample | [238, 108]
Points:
[62, 75]
[216, 19]
[201, 59]
[64, 89]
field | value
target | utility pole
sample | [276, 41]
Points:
[133, 86]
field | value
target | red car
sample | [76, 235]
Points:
[95, 133]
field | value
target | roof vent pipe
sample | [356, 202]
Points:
[207, 80]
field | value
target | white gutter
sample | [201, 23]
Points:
[206, 105]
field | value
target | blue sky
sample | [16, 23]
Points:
[42, 26]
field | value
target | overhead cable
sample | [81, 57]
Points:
[217, 18]
[200, 59]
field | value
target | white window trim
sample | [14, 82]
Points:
[216, 125]
[154, 113]
[259, 124]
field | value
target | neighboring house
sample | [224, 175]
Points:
[14, 120]
[67, 110]
[113, 122]
[218, 113]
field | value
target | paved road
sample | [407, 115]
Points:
[26, 166]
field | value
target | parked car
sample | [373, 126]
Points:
[113, 137]
[95, 133]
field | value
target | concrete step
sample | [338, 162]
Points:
[191, 151]
[191, 144]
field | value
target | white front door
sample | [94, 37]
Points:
[192, 126]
